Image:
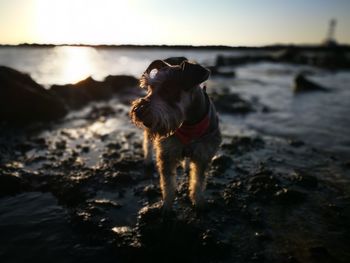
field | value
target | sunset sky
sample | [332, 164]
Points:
[197, 22]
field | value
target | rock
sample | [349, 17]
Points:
[231, 103]
[289, 197]
[305, 180]
[222, 162]
[263, 186]
[23, 101]
[61, 145]
[79, 94]
[288, 54]
[321, 254]
[302, 84]
[170, 235]
[105, 203]
[296, 143]
[11, 184]
[151, 191]
[101, 111]
[243, 144]
[216, 72]
[240, 60]
[124, 178]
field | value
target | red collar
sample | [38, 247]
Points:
[187, 133]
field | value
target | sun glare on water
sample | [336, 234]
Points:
[76, 63]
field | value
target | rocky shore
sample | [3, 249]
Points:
[268, 199]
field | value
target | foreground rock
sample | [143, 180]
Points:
[264, 195]
[22, 100]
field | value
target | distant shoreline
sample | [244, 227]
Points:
[311, 47]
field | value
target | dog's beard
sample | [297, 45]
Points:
[160, 119]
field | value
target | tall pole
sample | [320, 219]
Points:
[331, 29]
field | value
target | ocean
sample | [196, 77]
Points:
[317, 118]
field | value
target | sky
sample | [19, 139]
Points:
[172, 22]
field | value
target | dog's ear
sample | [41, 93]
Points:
[156, 64]
[193, 74]
[174, 61]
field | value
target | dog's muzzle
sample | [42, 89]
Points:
[141, 111]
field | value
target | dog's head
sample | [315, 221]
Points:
[169, 84]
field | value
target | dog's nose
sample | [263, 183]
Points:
[141, 109]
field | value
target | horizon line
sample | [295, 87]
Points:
[185, 46]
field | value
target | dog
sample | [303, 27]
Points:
[180, 122]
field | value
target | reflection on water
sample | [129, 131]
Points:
[62, 65]
[76, 63]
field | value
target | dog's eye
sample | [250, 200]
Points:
[153, 73]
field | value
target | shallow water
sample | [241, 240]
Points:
[321, 119]
[33, 227]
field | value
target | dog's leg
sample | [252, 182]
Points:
[167, 171]
[197, 182]
[147, 149]
[185, 165]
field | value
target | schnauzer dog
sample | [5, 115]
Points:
[179, 121]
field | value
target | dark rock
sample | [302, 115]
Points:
[85, 149]
[262, 236]
[61, 145]
[216, 72]
[69, 194]
[105, 203]
[321, 254]
[289, 54]
[94, 228]
[150, 214]
[11, 184]
[258, 257]
[114, 145]
[240, 60]
[98, 112]
[302, 84]
[151, 191]
[122, 83]
[305, 180]
[120, 178]
[296, 143]
[23, 101]
[231, 103]
[347, 164]
[243, 144]
[79, 94]
[168, 235]
[289, 197]
[263, 186]
[221, 163]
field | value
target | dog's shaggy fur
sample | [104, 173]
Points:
[175, 101]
